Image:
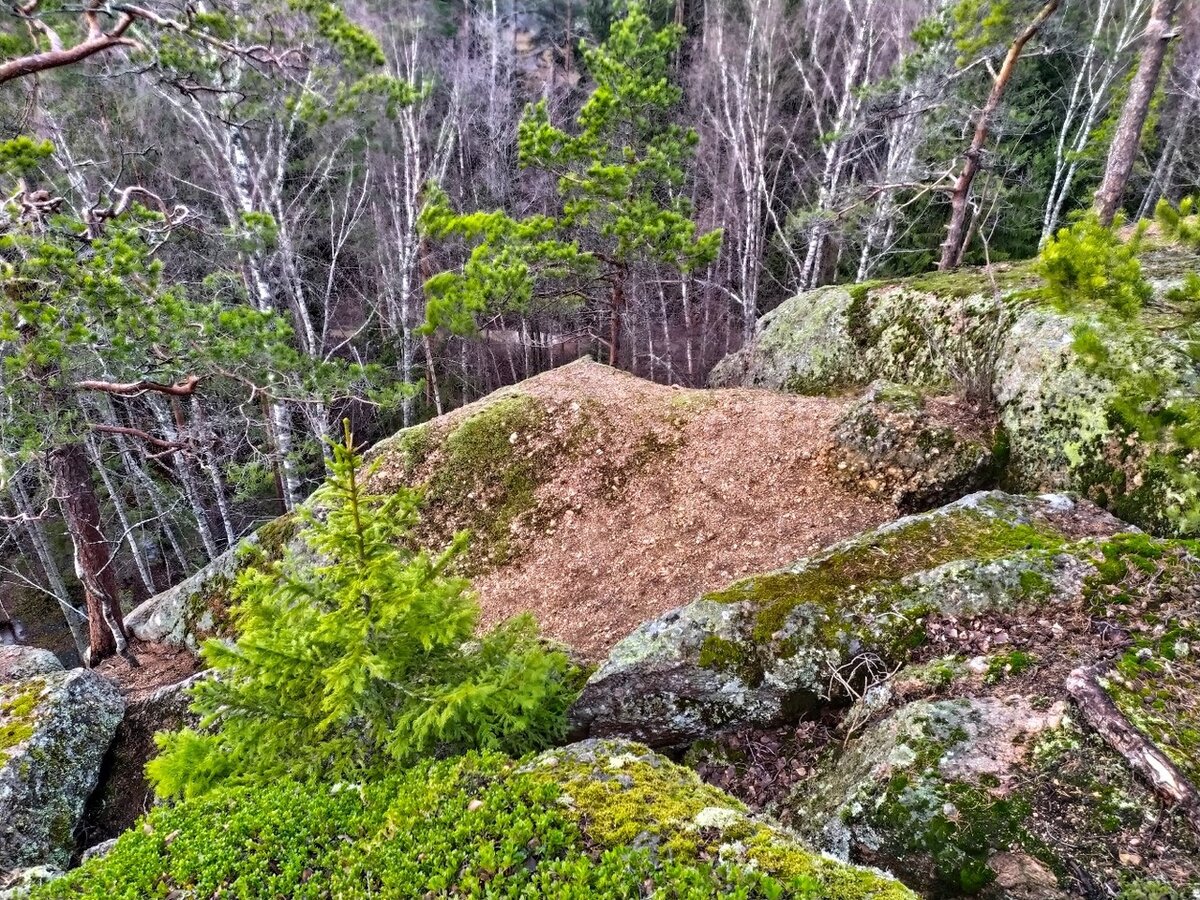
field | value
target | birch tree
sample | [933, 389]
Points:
[1101, 65]
[1128, 134]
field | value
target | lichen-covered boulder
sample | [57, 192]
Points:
[54, 731]
[913, 450]
[992, 334]
[921, 331]
[768, 648]
[601, 819]
[931, 791]
[18, 884]
[18, 662]
[1058, 415]
[1000, 796]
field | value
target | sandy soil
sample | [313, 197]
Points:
[741, 487]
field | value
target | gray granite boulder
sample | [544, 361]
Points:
[18, 662]
[768, 648]
[54, 731]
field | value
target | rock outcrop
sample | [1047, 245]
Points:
[914, 450]
[992, 336]
[766, 649]
[589, 489]
[54, 730]
[197, 607]
[18, 662]
[933, 792]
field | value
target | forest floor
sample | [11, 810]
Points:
[734, 482]
[158, 665]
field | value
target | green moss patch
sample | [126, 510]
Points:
[18, 702]
[623, 794]
[729, 656]
[470, 827]
[880, 560]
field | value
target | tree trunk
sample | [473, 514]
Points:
[956, 231]
[616, 305]
[36, 530]
[118, 505]
[1128, 135]
[81, 510]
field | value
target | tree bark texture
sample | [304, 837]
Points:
[1123, 149]
[956, 231]
[73, 488]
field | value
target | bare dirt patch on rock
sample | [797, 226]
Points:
[599, 500]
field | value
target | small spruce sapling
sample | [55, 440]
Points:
[357, 653]
[1090, 264]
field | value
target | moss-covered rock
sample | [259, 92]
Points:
[482, 472]
[899, 445]
[1067, 427]
[932, 792]
[768, 648]
[1150, 591]
[1001, 796]
[508, 467]
[602, 819]
[54, 731]
[919, 332]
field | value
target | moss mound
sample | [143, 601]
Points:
[481, 472]
[594, 820]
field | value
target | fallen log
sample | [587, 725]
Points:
[1150, 763]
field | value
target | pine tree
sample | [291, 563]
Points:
[620, 173]
[359, 652]
[87, 312]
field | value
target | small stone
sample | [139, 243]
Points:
[474, 805]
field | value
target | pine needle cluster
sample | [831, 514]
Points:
[358, 653]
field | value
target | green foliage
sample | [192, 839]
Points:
[509, 260]
[620, 179]
[78, 306]
[354, 43]
[23, 154]
[1089, 264]
[1003, 665]
[1182, 224]
[980, 25]
[470, 827]
[358, 654]
[257, 232]
[626, 156]
[1091, 273]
